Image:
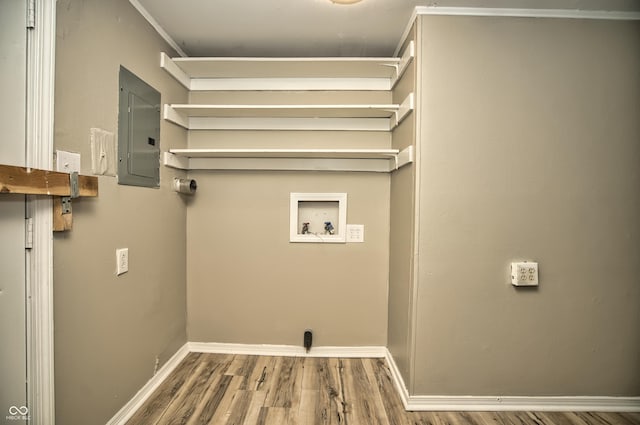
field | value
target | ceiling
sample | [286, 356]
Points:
[302, 28]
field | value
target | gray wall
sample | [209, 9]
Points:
[109, 330]
[248, 284]
[530, 150]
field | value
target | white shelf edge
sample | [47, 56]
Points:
[285, 59]
[369, 110]
[303, 65]
[287, 164]
[285, 84]
[370, 117]
[285, 153]
[364, 160]
[326, 81]
[289, 124]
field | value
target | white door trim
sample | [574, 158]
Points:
[40, 108]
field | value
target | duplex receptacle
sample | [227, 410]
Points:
[122, 261]
[524, 273]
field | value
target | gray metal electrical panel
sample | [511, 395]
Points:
[138, 132]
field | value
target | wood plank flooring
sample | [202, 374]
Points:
[224, 389]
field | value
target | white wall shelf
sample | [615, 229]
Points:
[368, 117]
[230, 73]
[371, 160]
[285, 75]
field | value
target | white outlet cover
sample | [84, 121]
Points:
[524, 273]
[355, 232]
[122, 261]
[67, 162]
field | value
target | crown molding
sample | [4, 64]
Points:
[528, 13]
[146, 15]
[515, 13]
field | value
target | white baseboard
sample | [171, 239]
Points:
[287, 350]
[397, 379]
[145, 392]
[508, 403]
[535, 403]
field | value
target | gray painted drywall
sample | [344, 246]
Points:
[530, 150]
[109, 330]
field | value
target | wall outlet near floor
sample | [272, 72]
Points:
[524, 273]
[122, 260]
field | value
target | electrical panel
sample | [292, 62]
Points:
[138, 132]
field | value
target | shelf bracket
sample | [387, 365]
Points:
[404, 157]
[407, 57]
[73, 185]
[65, 202]
[404, 109]
[174, 70]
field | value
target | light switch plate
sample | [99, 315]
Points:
[67, 162]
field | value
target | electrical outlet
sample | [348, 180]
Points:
[67, 162]
[524, 273]
[355, 232]
[122, 261]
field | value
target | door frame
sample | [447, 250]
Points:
[41, 40]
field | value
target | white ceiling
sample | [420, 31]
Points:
[291, 28]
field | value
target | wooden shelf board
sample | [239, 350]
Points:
[33, 181]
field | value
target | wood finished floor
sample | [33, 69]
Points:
[224, 389]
